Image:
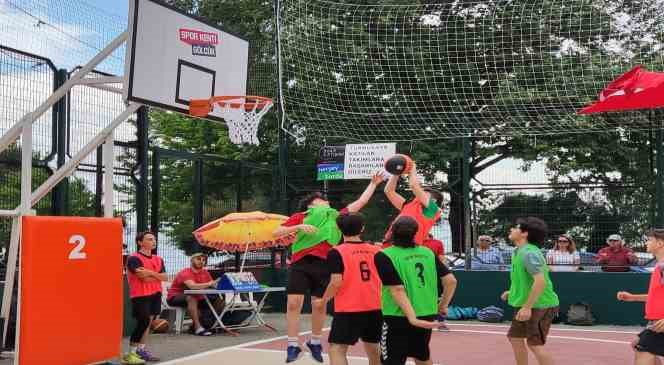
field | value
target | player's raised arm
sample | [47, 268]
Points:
[391, 192]
[357, 205]
[414, 183]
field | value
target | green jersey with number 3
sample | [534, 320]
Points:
[416, 267]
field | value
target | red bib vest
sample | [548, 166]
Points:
[415, 209]
[140, 288]
[655, 301]
[361, 288]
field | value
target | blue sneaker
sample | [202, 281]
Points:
[293, 353]
[316, 352]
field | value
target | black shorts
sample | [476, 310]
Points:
[308, 275]
[400, 340]
[144, 307]
[348, 328]
[650, 341]
[180, 300]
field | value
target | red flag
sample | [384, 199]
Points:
[636, 89]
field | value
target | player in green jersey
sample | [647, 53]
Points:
[410, 275]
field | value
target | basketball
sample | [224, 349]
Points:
[160, 326]
[398, 164]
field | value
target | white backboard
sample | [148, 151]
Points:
[173, 58]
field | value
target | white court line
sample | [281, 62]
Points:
[235, 347]
[244, 346]
[550, 336]
[409, 362]
[281, 351]
[552, 328]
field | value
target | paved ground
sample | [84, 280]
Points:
[171, 346]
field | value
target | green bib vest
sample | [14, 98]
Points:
[417, 269]
[325, 219]
[522, 281]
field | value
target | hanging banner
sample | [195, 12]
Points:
[331, 163]
[353, 161]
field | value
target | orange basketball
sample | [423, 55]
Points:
[398, 164]
[160, 326]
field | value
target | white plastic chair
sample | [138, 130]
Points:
[179, 312]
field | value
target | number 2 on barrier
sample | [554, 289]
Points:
[77, 253]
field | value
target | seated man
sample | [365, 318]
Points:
[486, 257]
[192, 278]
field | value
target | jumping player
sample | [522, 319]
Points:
[650, 342]
[531, 293]
[317, 232]
[355, 287]
[410, 275]
[145, 272]
[424, 207]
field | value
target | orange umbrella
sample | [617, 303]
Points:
[241, 232]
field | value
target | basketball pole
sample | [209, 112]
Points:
[23, 129]
[15, 131]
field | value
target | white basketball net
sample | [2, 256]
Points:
[243, 121]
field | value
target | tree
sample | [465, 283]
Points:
[524, 65]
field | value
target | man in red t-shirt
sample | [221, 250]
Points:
[192, 278]
[616, 257]
[308, 272]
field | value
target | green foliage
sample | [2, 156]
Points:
[512, 73]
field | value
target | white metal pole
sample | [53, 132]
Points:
[8, 292]
[13, 133]
[244, 258]
[68, 167]
[26, 168]
[108, 175]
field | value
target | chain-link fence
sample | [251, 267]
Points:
[190, 190]
[26, 80]
[591, 227]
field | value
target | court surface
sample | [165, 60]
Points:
[467, 344]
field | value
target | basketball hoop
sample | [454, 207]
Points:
[242, 114]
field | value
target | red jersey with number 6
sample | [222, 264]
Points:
[361, 288]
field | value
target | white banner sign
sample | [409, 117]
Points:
[361, 161]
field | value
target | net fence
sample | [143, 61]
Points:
[68, 32]
[399, 71]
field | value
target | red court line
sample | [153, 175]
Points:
[487, 344]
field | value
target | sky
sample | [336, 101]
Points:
[115, 7]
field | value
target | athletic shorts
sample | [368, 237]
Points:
[180, 300]
[143, 307]
[536, 329]
[401, 340]
[348, 328]
[308, 275]
[650, 341]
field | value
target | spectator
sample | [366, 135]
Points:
[616, 257]
[563, 256]
[192, 278]
[486, 255]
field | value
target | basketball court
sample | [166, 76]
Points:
[466, 343]
[181, 64]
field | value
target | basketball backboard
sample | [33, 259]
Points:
[173, 57]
